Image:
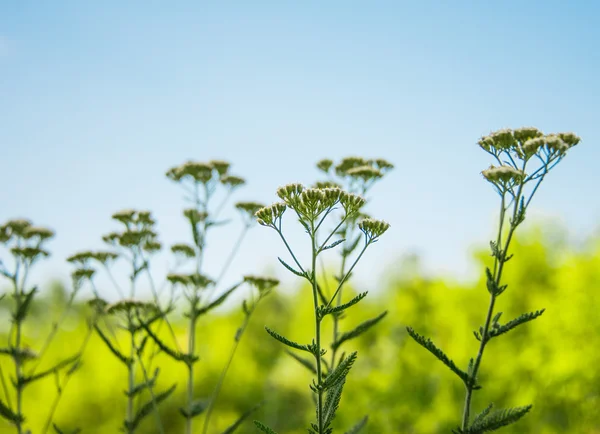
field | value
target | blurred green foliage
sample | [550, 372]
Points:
[551, 362]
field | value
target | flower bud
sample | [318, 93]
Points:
[269, 215]
[232, 181]
[570, 139]
[263, 284]
[524, 134]
[183, 250]
[38, 232]
[351, 202]
[366, 173]
[372, 228]
[220, 166]
[325, 165]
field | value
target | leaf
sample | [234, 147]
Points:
[218, 301]
[360, 425]
[428, 345]
[9, 415]
[332, 245]
[198, 408]
[21, 313]
[342, 307]
[187, 358]
[304, 362]
[286, 341]
[241, 419]
[63, 363]
[498, 419]
[360, 329]
[60, 431]
[332, 402]
[142, 386]
[483, 414]
[147, 408]
[110, 346]
[526, 317]
[297, 273]
[340, 372]
[263, 427]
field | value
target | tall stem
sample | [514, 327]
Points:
[317, 328]
[18, 364]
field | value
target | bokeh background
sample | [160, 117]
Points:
[98, 100]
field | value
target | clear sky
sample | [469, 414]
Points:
[98, 99]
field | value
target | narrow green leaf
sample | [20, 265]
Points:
[332, 245]
[263, 427]
[110, 346]
[176, 355]
[526, 317]
[483, 414]
[62, 364]
[21, 313]
[60, 431]
[308, 364]
[148, 407]
[340, 372]
[286, 341]
[342, 307]
[241, 419]
[198, 407]
[292, 270]
[332, 402]
[10, 415]
[428, 345]
[498, 419]
[360, 425]
[218, 301]
[360, 329]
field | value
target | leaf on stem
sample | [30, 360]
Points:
[117, 353]
[286, 341]
[197, 408]
[360, 425]
[303, 361]
[9, 415]
[241, 419]
[497, 419]
[263, 427]
[148, 407]
[62, 364]
[24, 306]
[61, 431]
[292, 270]
[326, 310]
[497, 329]
[340, 372]
[360, 329]
[217, 302]
[439, 354]
[332, 245]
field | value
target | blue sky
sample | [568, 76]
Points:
[98, 99]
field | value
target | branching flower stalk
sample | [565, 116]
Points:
[356, 175]
[201, 181]
[26, 243]
[134, 243]
[312, 206]
[517, 153]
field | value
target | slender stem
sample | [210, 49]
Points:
[18, 364]
[221, 380]
[290, 250]
[317, 329]
[336, 318]
[130, 377]
[362, 252]
[190, 365]
[159, 423]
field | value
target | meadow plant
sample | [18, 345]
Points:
[312, 207]
[355, 175]
[27, 246]
[524, 157]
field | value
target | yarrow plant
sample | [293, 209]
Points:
[356, 175]
[27, 246]
[524, 157]
[312, 207]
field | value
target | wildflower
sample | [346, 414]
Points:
[531, 146]
[220, 166]
[524, 134]
[372, 228]
[249, 208]
[152, 246]
[570, 139]
[82, 274]
[269, 215]
[81, 257]
[111, 238]
[125, 216]
[503, 139]
[327, 184]
[263, 284]
[17, 226]
[325, 165]
[199, 172]
[366, 173]
[28, 253]
[194, 216]
[556, 144]
[145, 217]
[104, 257]
[232, 181]
[290, 194]
[184, 250]
[37, 231]
[349, 163]
[351, 202]
[129, 305]
[382, 165]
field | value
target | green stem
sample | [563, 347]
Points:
[317, 330]
[190, 365]
[17, 347]
[159, 423]
[130, 378]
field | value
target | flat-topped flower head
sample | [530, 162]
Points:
[98, 304]
[324, 165]
[183, 250]
[29, 253]
[504, 177]
[111, 238]
[104, 257]
[195, 280]
[232, 182]
[199, 172]
[383, 165]
[249, 209]
[526, 133]
[220, 166]
[129, 305]
[263, 284]
[504, 139]
[351, 202]
[290, 193]
[373, 228]
[327, 184]
[366, 173]
[38, 232]
[570, 139]
[151, 246]
[556, 144]
[81, 257]
[269, 215]
[82, 274]
[145, 217]
[349, 163]
[136, 237]
[531, 146]
[16, 227]
[125, 216]
[194, 216]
